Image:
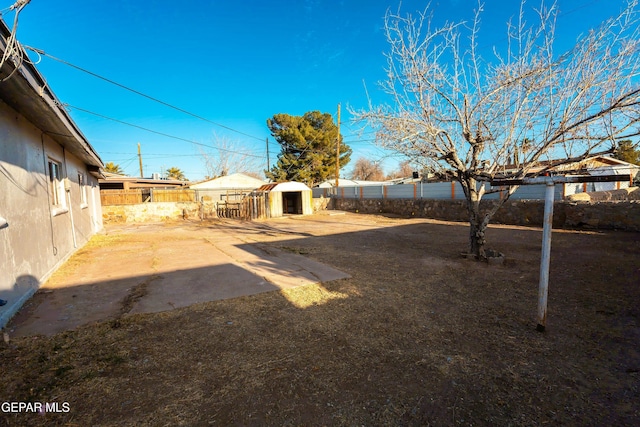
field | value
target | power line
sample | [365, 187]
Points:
[166, 104]
[160, 133]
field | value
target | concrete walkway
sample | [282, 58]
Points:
[153, 268]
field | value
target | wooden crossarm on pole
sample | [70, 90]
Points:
[559, 179]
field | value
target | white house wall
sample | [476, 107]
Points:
[38, 238]
[233, 181]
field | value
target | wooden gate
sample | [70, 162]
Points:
[252, 206]
[235, 210]
[258, 204]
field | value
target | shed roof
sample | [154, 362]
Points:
[284, 187]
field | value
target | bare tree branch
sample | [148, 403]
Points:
[228, 158]
[457, 111]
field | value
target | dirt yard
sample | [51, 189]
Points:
[417, 336]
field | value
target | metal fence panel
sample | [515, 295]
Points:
[401, 191]
[349, 192]
[441, 190]
[320, 192]
[535, 192]
[431, 190]
[373, 192]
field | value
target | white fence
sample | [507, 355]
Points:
[444, 191]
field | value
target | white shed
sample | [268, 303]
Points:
[287, 198]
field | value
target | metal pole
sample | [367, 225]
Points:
[338, 151]
[548, 222]
[543, 288]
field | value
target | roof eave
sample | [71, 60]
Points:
[28, 93]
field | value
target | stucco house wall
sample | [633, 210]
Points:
[49, 194]
[38, 236]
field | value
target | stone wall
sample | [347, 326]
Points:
[621, 215]
[157, 212]
[322, 203]
[164, 211]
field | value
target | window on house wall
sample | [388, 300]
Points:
[83, 189]
[55, 184]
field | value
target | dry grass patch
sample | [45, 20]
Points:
[416, 337]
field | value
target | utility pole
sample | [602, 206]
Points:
[338, 151]
[140, 159]
[268, 162]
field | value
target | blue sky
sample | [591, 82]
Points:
[235, 63]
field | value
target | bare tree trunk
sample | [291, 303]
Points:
[477, 222]
[477, 227]
[479, 219]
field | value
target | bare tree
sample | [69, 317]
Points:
[228, 158]
[405, 170]
[366, 170]
[456, 111]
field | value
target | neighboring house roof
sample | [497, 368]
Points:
[605, 163]
[351, 183]
[284, 187]
[27, 92]
[112, 180]
[586, 166]
[233, 181]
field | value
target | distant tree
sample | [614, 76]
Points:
[627, 151]
[308, 147]
[466, 111]
[176, 173]
[366, 170]
[113, 168]
[228, 157]
[405, 170]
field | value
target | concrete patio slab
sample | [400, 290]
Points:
[153, 268]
